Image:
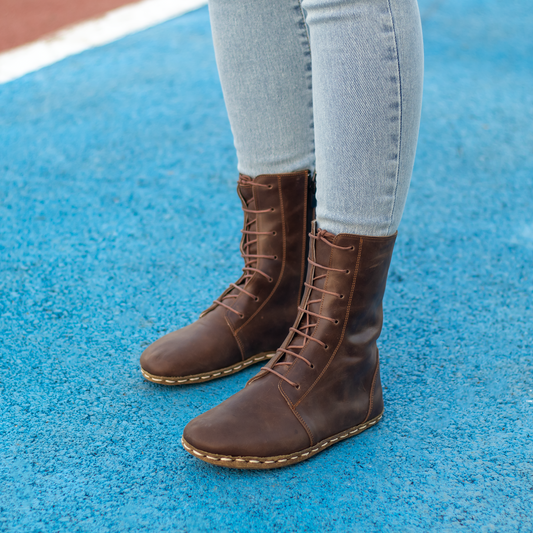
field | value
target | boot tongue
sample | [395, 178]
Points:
[247, 194]
[322, 254]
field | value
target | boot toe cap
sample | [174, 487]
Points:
[247, 426]
[194, 349]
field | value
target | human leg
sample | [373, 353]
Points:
[265, 76]
[264, 62]
[367, 90]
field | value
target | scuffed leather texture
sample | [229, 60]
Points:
[344, 373]
[342, 388]
[180, 353]
[220, 338]
[244, 425]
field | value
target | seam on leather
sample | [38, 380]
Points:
[304, 243]
[371, 403]
[297, 415]
[325, 288]
[234, 333]
[356, 272]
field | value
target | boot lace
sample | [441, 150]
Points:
[250, 260]
[306, 326]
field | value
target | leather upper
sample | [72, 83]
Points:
[221, 337]
[339, 388]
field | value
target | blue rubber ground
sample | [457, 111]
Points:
[117, 203]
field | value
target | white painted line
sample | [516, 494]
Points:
[110, 27]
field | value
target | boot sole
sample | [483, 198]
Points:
[278, 461]
[206, 376]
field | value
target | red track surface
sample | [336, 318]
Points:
[23, 21]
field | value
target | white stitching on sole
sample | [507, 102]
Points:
[255, 461]
[206, 376]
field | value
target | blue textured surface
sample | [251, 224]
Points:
[117, 204]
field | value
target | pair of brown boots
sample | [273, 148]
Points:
[322, 383]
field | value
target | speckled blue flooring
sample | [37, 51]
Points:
[117, 178]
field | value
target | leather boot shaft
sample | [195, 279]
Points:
[349, 317]
[279, 229]
[250, 319]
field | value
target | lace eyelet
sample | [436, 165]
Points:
[341, 296]
[347, 271]
[297, 387]
[326, 347]
[241, 315]
[352, 248]
[275, 258]
[274, 233]
[256, 299]
[272, 209]
[336, 322]
[270, 186]
[270, 280]
[312, 366]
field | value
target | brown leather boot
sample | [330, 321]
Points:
[323, 386]
[250, 319]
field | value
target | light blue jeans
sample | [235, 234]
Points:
[328, 85]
